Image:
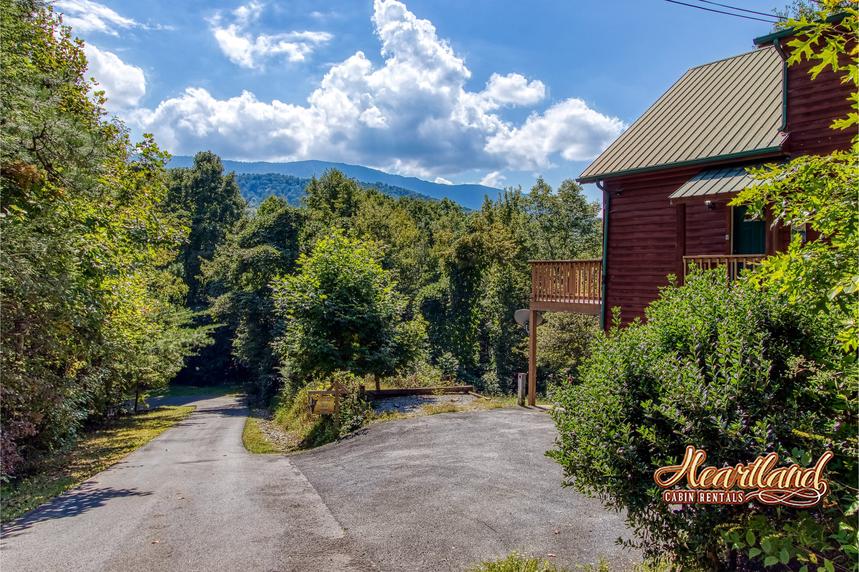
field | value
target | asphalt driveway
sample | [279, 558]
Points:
[431, 493]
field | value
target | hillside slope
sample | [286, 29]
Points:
[256, 187]
[469, 195]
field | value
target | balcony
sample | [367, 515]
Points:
[734, 264]
[566, 286]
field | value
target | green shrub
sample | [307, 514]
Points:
[731, 369]
[564, 341]
[489, 383]
[293, 415]
[515, 562]
[341, 311]
[422, 374]
[448, 365]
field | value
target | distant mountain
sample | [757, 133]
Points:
[256, 187]
[470, 196]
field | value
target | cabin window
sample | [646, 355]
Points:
[748, 235]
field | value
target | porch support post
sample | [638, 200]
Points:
[532, 357]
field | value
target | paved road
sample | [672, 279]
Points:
[432, 493]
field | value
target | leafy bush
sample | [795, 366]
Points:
[489, 383]
[90, 307]
[422, 374]
[448, 365]
[341, 312]
[515, 562]
[731, 369]
[565, 341]
[293, 415]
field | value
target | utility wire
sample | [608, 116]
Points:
[722, 12]
[743, 10]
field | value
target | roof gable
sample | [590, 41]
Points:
[725, 109]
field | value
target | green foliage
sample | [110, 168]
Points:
[826, 34]
[565, 341]
[90, 310]
[734, 370]
[817, 193]
[308, 430]
[264, 245]
[342, 312]
[565, 222]
[211, 203]
[256, 187]
[515, 562]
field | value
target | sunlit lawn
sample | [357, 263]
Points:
[96, 451]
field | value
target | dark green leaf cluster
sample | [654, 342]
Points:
[256, 187]
[340, 311]
[732, 369]
[90, 309]
[263, 246]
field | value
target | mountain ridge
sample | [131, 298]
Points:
[467, 195]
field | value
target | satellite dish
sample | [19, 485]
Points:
[523, 315]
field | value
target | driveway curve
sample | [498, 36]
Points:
[431, 493]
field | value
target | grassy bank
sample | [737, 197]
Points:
[96, 451]
[254, 438]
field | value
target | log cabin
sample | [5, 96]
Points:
[667, 180]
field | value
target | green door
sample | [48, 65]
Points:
[749, 235]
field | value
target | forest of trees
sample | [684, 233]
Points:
[120, 275]
[256, 187]
[446, 280]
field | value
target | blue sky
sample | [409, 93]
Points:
[461, 91]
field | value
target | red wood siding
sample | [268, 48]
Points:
[706, 228]
[811, 107]
[642, 240]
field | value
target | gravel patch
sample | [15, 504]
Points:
[284, 440]
[414, 403]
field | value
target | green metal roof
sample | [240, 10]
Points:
[714, 182]
[726, 109]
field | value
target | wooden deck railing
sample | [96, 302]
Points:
[734, 264]
[566, 281]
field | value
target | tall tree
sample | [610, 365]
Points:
[213, 204]
[264, 245]
[341, 311]
[89, 311]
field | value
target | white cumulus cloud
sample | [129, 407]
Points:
[513, 89]
[411, 114]
[569, 128]
[247, 50]
[493, 179]
[89, 16]
[123, 84]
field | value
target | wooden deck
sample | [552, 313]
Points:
[561, 286]
[734, 264]
[566, 286]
